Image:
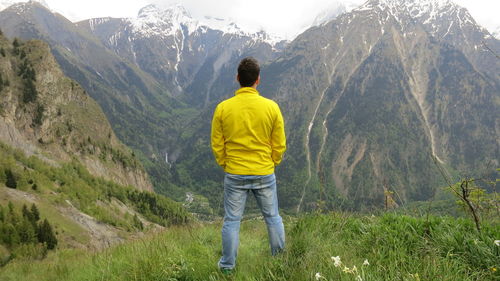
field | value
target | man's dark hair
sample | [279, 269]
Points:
[248, 71]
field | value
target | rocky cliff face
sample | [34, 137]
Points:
[388, 90]
[45, 113]
[138, 106]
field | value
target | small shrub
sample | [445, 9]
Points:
[37, 121]
[11, 179]
[30, 93]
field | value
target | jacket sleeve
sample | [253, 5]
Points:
[217, 138]
[278, 139]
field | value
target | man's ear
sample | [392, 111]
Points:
[238, 78]
[257, 82]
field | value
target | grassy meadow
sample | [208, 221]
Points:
[385, 247]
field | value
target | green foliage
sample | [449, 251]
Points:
[37, 120]
[485, 203]
[35, 214]
[71, 181]
[16, 44]
[11, 179]
[157, 208]
[30, 93]
[17, 230]
[27, 234]
[46, 235]
[26, 71]
[395, 247]
[138, 223]
[28, 75]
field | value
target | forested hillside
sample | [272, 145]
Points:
[66, 181]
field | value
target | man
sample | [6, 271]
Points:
[248, 141]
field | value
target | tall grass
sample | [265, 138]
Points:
[397, 247]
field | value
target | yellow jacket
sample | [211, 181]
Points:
[248, 134]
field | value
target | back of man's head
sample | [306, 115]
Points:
[248, 72]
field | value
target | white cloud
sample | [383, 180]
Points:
[282, 17]
[485, 12]
[77, 10]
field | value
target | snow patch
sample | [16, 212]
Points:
[153, 21]
[4, 4]
[437, 16]
[98, 21]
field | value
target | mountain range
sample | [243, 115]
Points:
[372, 98]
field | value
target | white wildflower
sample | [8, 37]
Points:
[497, 242]
[358, 278]
[336, 261]
[318, 276]
[366, 262]
[354, 269]
[346, 269]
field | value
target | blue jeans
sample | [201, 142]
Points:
[236, 189]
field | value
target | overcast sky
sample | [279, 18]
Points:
[282, 17]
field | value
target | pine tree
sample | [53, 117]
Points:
[3, 233]
[26, 213]
[2, 214]
[35, 213]
[29, 93]
[37, 120]
[10, 235]
[12, 217]
[16, 45]
[32, 74]
[26, 232]
[11, 179]
[23, 68]
[46, 235]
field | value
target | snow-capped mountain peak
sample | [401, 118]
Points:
[154, 21]
[414, 8]
[4, 4]
[224, 25]
[329, 14]
[439, 17]
[428, 5]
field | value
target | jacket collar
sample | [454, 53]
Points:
[246, 90]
